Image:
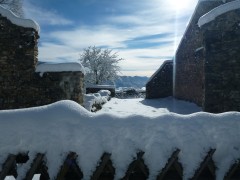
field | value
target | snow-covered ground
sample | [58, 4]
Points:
[148, 107]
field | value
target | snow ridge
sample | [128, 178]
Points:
[43, 67]
[28, 23]
[65, 126]
[210, 16]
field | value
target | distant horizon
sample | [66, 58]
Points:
[144, 33]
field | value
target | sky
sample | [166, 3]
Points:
[143, 32]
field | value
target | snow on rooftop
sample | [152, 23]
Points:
[210, 16]
[43, 67]
[28, 23]
[66, 126]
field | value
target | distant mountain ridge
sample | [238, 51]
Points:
[131, 81]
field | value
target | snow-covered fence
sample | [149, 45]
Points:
[64, 139]
[105, 170]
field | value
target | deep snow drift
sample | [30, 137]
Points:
[65, 126]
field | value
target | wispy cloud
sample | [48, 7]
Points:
[144, 37]
[44, 16]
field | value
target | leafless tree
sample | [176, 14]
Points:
[101, 65]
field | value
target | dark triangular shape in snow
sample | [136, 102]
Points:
[38, 167]
[70, 169]
[173, 169]
[206, 171]
[234, 172]
[10, 165]
[105, 170]
[137, 169]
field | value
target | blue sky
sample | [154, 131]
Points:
[143, 32]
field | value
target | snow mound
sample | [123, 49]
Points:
[65, 126]
[92, 100]
[210, 16]
[28, 23]
[59, 67]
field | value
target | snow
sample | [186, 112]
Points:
[210, 16]
[28, 23]
[100, 86]
[59, 67]
[105, 92]
[199, 49]
[66, 126]
[94, 99]
[148, 107]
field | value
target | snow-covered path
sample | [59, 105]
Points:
[148, 107]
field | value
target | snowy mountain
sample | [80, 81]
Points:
[131, 81]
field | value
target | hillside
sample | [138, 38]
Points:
[131, 81]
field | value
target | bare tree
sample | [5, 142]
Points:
[16, 6]
[101, 65]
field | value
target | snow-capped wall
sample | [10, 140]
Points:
[210, 16]
[59, 67]
[27, 23]
[20, 85]
[221, 39]
[207, 65]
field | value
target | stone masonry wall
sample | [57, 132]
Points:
[20, 86]
[222, 63]
[188, 65]
[55, 86]
[161, 85]
[18, 58]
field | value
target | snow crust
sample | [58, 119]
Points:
[59, 67]
[66, 126]
[210, 16]
[28, 23]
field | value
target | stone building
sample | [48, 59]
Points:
[20, 85]
[160, 83]
[207, 62]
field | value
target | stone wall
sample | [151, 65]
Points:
[18, 58]
[96, 88]
[188, 65]
[161, 83]
[20, 86]
[222, 63]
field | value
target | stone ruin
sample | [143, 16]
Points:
[20, 85]
[206, 66]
